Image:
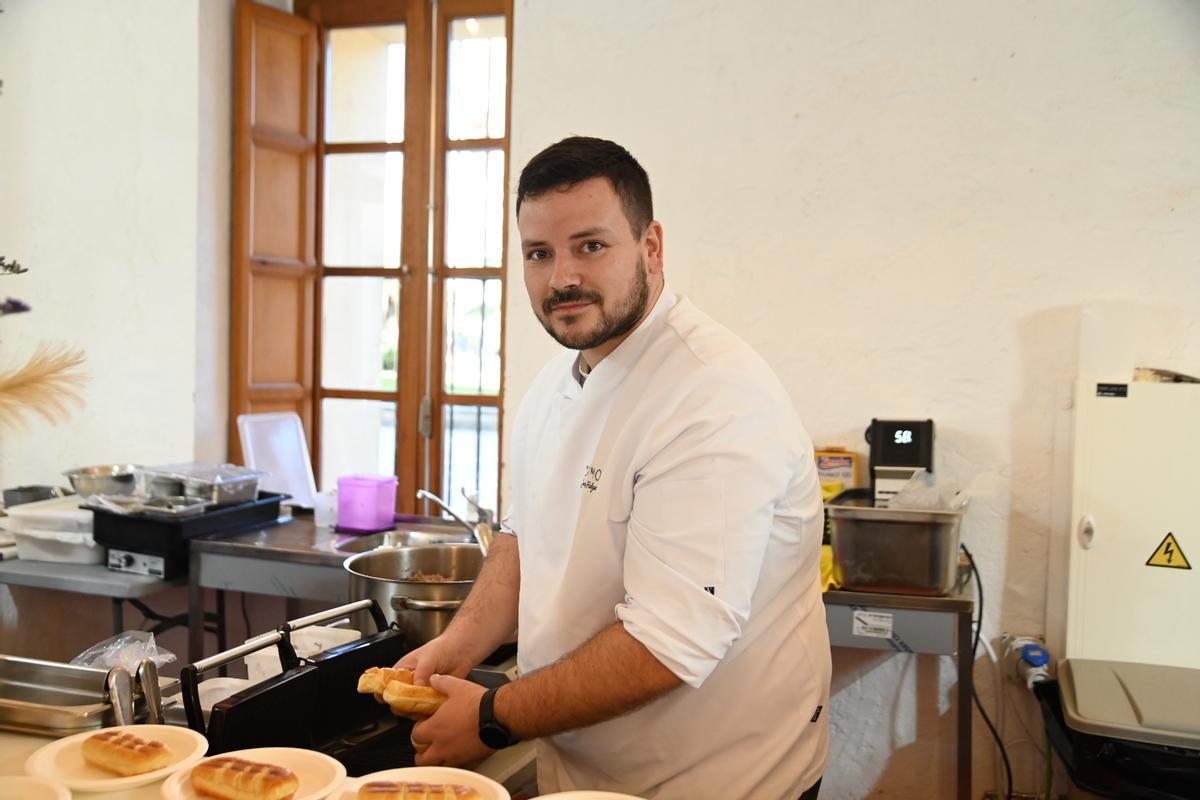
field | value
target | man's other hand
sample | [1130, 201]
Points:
[453, 731]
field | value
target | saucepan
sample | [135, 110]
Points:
[419, 588]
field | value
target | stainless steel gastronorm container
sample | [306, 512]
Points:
[53, 699]
[422, 609]
[894, 550]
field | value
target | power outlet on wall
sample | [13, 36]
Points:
[1011, 655]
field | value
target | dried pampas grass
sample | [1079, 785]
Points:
[47, 385]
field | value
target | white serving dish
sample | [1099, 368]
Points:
[318, 773]
[62, 760]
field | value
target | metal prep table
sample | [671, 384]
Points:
[913, 624]
[122, 587]
[295, 560]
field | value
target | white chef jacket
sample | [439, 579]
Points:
[675, 491]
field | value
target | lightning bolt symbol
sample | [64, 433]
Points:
[1168, 552]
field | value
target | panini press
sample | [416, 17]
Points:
[314, 703]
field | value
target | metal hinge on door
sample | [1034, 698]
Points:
[425, 421]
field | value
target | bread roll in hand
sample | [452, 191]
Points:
[411, 790]
[233, 778]
[125, 754]
[396, 686]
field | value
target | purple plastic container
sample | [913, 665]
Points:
[366, 503]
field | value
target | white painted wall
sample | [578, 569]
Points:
[114, 160]
[115, 193]
[904, 207]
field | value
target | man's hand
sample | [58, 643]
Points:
[437, 656]
[453, 731]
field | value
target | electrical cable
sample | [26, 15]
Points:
[246, 616]
[974, 694]
[998, 675]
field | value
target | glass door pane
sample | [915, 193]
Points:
[470, 456]
[365, 84]
[477, 63]
[363, 202]
[357, 437]
[474, 208]
[472, 315]
[360, 330]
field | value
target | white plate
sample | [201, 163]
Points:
[588, 795]
[22, 787]
[318, 773]
[62, 759]
[487, 788]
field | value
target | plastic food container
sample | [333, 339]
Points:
[366, 503]
[897, 551]
[214, 483]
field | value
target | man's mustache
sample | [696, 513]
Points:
[568, 297]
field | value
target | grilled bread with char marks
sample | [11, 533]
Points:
[414, 790]
[125, 754]
[232, 778]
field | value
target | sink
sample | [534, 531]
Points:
[409, 530]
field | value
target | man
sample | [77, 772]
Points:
[662, 547]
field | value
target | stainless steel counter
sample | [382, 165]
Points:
[295, 559]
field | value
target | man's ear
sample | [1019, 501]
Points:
[652, 247]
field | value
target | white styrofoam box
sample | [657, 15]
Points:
[307, 641]
[70, 547]
[55, 514]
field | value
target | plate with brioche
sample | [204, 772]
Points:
[262, 773]
[113, 759]
[421, 783]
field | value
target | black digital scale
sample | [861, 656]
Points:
[899, 449]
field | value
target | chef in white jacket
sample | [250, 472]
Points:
[662, 546]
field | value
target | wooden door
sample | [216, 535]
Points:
[274, 258]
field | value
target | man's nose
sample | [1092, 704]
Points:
[565, 273]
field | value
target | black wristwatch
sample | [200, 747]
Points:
[492, 732]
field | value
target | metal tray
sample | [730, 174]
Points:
[53, 699]
[169, 536]
[896, 551]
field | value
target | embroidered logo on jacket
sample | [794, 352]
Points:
[591, 478]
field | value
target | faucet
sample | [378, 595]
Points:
[482, 529]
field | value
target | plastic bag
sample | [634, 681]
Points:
[126, 650]
[923, 492]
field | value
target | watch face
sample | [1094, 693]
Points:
[494, 735]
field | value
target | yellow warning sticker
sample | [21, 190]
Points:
[1168, 554]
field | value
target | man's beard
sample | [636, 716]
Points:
[620, 322]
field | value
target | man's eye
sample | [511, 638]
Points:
[535, 255]
[593, 247]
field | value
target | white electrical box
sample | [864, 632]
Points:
[1134, 557]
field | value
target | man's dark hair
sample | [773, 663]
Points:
[579, 158]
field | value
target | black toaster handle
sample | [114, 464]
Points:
[189, 676]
